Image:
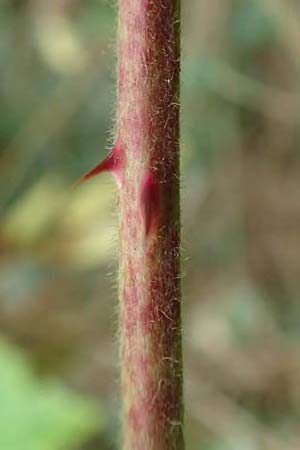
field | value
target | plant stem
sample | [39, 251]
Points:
[150, 322]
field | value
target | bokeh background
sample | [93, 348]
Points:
[241, 225]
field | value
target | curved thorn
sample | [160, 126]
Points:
[112, 163]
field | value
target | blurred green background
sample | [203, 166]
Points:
[241, 225]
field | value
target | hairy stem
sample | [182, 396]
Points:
[148, 126]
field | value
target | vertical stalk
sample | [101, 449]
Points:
[150, 322]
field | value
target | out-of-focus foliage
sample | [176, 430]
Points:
[40, 416]
[240, 207]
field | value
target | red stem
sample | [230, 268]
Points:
[148, 124]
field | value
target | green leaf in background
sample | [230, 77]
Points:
[251, 27]
[40, 416]
[239, 443]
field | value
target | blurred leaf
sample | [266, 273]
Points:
[40, 416]
[251, 27]
[33, 213]
[238, 443]
[88, 218]
[59, 44]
